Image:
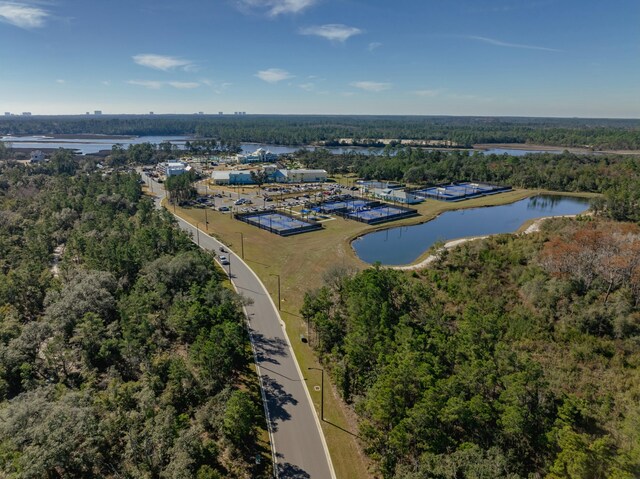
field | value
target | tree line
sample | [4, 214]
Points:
[304, 130]
[511, 357]
[122, 352]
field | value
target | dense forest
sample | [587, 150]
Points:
[304, 130]
[511, 357]
[122, 352]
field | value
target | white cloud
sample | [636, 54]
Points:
[336, 32]
[61, 81]
[106, 82]
[374, 45]
[156, 85]
[275, 7]
[273, 75]
[184, 85]
[427, 93]
[500, 43]
[307, 86]
[218, 88]
[21, 15]
[153, 85]
[371, 85]
[163, 62]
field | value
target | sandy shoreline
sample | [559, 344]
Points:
[526, 146]
[532, 228]
[45, 138]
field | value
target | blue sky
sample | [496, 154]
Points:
[423, 57]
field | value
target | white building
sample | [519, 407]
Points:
[37, 156]
[273, 175]
[174, 168]
[304, 176]
[259, 156]
[396, 196]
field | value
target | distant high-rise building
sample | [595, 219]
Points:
[88, 113]
[7, 113]
[200, 113]
[150, 113]
[26, 113]
[97, 112]
[220, 113]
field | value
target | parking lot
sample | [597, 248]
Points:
[251, 199]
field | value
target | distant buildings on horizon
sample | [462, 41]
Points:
[99, 112]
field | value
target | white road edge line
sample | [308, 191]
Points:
[272, 442]
[295, 360]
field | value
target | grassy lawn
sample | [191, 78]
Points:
[301, 261]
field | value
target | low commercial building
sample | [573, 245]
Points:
[259, 156]
[396, 196]
[230, 177]
[304, 176]
[271, 174]
[174, 168]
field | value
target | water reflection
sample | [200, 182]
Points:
[403, 245]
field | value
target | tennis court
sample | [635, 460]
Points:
[460, 191]
[343, 205]
[380, 213]
[279, 223]
[363, 210]
[380, 184]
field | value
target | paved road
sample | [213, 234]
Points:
[296, 435]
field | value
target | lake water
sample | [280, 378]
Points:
[512, 152]
[87, 146]
[404, 244]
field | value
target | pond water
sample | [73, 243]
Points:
[512, 152]
[404, 244]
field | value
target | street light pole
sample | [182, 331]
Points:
[198, 233]
[242, 244]
[321, 393]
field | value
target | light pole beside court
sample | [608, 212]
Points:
[321, 393]
[241, 244]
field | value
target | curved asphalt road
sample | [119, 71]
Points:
[299, 447]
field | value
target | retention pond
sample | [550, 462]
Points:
[405, 244]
